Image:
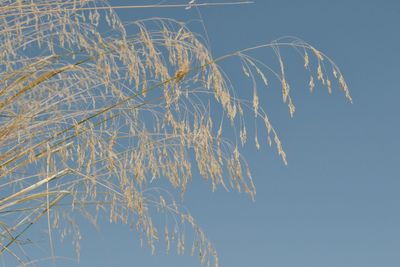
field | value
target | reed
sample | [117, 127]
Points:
[91, 118]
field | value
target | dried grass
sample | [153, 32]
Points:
[93, 118]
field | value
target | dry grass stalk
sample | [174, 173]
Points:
[93, 118]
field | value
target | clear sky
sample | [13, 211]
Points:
[337, 202]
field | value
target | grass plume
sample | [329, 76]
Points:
[90, 114]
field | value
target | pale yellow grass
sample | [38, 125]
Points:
[91, 118]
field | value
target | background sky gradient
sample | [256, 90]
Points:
[337, 202]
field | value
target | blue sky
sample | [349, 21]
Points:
[337, 202]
